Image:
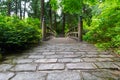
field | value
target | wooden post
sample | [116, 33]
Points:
[80, 29]
[43, 29]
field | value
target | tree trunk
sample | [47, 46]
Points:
[9, 7]
[63, 28]
[55, 22]
[50, 14]
[43, 21]
[20, 9]
[35, 8]
[24, 8]
[80, 29]
[16, 7]
[42, 10]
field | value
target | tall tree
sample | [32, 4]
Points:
[25, 2]
[42, 9]
[20, 7]
[64, 21]
[9, 7]
[55, 20]
[16, 7]
[3, 7]
[43, 20]
[50, 14]
[35, 9]
[54, 6]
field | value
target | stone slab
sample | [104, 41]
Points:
[116, 59]
[54, 56]
[93, 53]
[24, 67]
[65, 53]
[23, 61]
[117, 63]
[5, 67]
[45, 60]
[107, 74]
[6, 76]
[39, 51]
[106, 56]
[29, 76]
[64, 76]
[77, 66]
[48, 53]
[89, 76]
[107, 65]
[89, 59]
[104, 59]
[89, 56]
[80, 53]
[55, 66]
[72, 56]
[70, 60]
[36, 56]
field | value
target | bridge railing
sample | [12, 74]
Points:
[76, 32]
[72, 33]
[50, 33]
[47, 32]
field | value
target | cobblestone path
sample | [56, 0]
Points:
[61, 59]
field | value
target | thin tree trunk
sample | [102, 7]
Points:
[80, 29]
[9, 7]
[63, 29]
[20, 9]
[50, 14]
[24, 8]
[55, 22]
[35, 8]
[16, 7]
[43, 21]
[42, 10]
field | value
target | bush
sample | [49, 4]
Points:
[105, 29]
[15, 33]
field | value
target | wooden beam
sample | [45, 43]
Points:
[80, 29]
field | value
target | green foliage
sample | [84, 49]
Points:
[87, 14]
[72, 6]
[18, 33]
[118, 52]
[105, 28]
[54, 4]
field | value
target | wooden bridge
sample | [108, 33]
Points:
[74, 32]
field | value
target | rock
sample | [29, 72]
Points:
[5, 67]
[55, 66]
[6, 75]
[24, 67]
[64, 76]
[77, 66]
[29, 76]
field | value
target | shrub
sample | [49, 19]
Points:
[16, 33]
[105, 30]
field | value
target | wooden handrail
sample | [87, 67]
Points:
[50, 32]
[73, 33]
[76, 31]
[72, 28]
